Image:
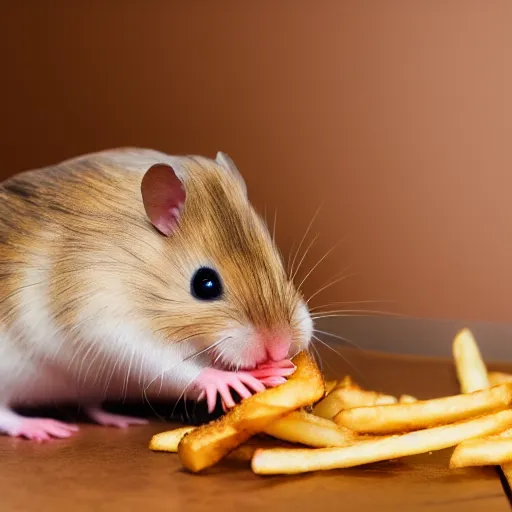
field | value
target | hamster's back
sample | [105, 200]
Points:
[79, 215]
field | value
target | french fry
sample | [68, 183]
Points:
[304, 428]
[470, 367]
[505, 433]
[385, 400]
[398, 418]
[407, 399]
[169, 441]
[297, 427]
[462, 455]
[330, 385]
[246, 451]
[294, 461]
[482, 452]
[497, 378]
[208, 444]
[348, 398]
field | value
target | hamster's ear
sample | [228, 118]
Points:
[225, 161]
[163, 196]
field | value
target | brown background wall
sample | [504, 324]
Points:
[396, 115]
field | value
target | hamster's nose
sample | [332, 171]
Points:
[278, 345]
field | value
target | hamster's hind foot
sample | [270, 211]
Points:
[108, 419]
[35, 429]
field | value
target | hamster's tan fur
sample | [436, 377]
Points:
[95, 302]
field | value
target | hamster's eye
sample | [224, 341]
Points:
[206, 285]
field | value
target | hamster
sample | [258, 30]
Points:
[130, 273]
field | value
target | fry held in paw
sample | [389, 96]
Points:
[208, 444]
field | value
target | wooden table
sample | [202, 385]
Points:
[104, 469]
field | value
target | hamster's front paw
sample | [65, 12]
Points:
[212, 381]
[273, 373]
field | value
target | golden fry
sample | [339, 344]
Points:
[293, 461]
[304, 428]
[206, 445]
[398, 418]
[470, 367]
[497, 378]
[348, 398]
[482, 452]
[473, 376]
[407, 399]
[330, 385]
[297, 427]
[169, 441]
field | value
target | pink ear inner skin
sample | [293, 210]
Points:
[163, 196]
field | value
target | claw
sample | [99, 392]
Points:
[273, 381]
[213, 382]
[285, 363]
[261, 373]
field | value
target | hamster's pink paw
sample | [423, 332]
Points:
[41, 429]
[276, 371]
[212, 382]
[108, 419]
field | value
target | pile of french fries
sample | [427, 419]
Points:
[308, 424]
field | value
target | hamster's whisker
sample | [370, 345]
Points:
[161, 376]
[331, 283]
[274, 227]
[141, 369]
[181, 396]
[93, 360]
[319, 360]
[84, 358]
[220, 355]
[211, 347]
[290, 252]
[81, 346]
[127, 376]
[188, 358]
[348, 302]
[112, 373]
[316, 264]
[146, 399]
[338, 337]
[354, 313]
[304, 237]
[299, 264]
[102, 368]
[362, 377]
